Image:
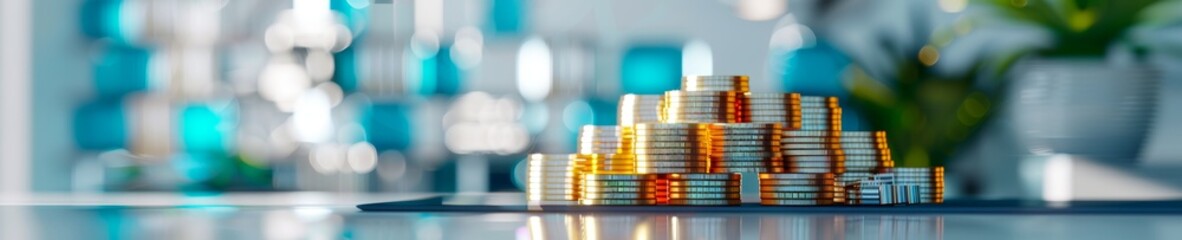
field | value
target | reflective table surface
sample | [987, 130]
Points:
[333, 216]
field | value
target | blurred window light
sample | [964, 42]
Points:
[428, 16]
[312, 118]
[955, 6]
[326, 158]
[651, 69]
[101, 125]
[121, 70]
[507, 16]
[697, 59]
[761, 10]
[320, 65]
[119, 20]
[362, 157]
[283, 82]
[535, 66]
[468, 47]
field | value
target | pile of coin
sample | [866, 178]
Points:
[599, 139]
[783, 108]
[702, 107]
[930, 182]
[551, 179]
[699, 189]
[745, 147]
[671, 147]
[799, 189]
[731, 83]
[619, 189]
[635, 109]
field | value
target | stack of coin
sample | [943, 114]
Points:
[551, 179]
[671, 147]
[735, 83]
[635, 109]
[929, 180]
[745, 147]
[812, 152]
[781, 108]
[819, 114]
[701, 107]
[619, 189]
[849, 151]
[599, 139]
[601, 163]
[798, 189]
[699, 189]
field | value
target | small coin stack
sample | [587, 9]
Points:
[699, 189]
[599, 139]
[702, 107]
[635, 109]
[930, 182]
[551, 179]
[745, 147]
[619, 189]
[671, 147]
[799, 189]
[870, 192]
[781, 108]
[736, 83]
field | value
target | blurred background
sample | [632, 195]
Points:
[1038, 99]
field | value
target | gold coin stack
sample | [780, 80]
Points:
[699, 189]
[634, 109]
[783, 108]
[551, 179]
[711, 83]
[599, 139]
[745, 147]
[671, 147]
[701, 107]
[929, 180]
[820, 126]
[799, 189]
[601, 163]
[819, 114]
[619, 189]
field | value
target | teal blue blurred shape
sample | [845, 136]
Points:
[345, 69]
[356, 17]
[439, 74]
[818, 70]
[100, 125]
[451, 78]
[103, 19]
[605, 110]
[203, 129]
[507, 16]
[121, 70]
[651, 69]
[388, 126]
[198, 167]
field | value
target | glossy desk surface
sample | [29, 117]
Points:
[334, 216]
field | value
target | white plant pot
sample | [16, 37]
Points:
[1083, 106]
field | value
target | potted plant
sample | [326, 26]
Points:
[1087, 88]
